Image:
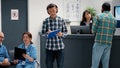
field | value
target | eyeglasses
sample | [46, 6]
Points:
[1, 37]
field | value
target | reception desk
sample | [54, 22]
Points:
[78, 51]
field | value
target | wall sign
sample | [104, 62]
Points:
[14, 14]
[72, 10]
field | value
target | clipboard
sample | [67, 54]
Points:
[53, 33]
[18, 53]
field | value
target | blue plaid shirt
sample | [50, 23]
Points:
[104, 28]
[55, 43]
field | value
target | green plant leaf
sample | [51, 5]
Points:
[92, 11]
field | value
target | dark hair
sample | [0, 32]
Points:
[106, 6]
[29, 35]
[83, 17]
[51, 6]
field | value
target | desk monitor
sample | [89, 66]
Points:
[117, 15]
[117, 12]
[80, 29]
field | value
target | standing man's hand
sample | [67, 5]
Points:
[60, 34]
[48, 31]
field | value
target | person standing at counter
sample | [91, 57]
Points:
[54, 46]
[86, 18]
[103, 27]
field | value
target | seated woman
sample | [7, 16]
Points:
[30, 55]
[86, 18]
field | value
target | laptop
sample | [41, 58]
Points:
[18, 53]
[80, 29]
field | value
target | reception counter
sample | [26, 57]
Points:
[78, 51]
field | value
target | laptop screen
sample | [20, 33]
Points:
[80, 29]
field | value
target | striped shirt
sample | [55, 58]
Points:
[55, 43]
[104, 27]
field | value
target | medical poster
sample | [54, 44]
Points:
[72, 10]
[14, 14]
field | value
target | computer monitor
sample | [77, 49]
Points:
[80, 29]
[117, 12]
[117, 15]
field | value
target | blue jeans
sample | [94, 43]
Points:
[100, 52]
[52, 55]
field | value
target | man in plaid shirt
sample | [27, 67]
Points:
[104, 27]
[54, 46]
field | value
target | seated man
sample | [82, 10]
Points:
[4, 57]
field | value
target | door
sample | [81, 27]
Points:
[14, 22]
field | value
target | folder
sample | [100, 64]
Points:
[18, 53]
[52, 34]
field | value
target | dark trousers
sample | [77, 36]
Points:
[3, 66]
[52, 55]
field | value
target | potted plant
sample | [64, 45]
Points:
[92, 11]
